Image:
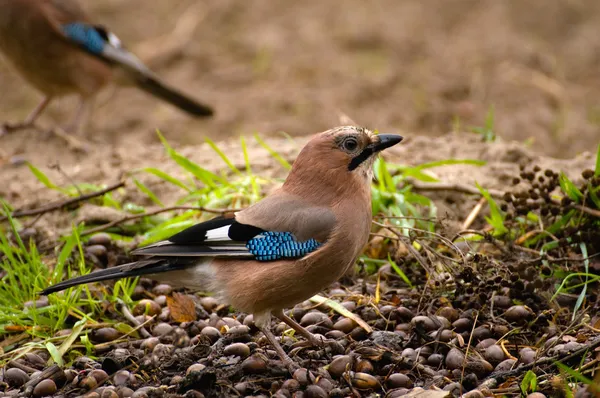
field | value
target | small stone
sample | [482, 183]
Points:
[99, 251]
[99, 375]
[88, 382]
[315, 391]
[455, 359]
[238, 331]
[254, 365]
[325, 384]
[425, 322]
[536, 395]
[162, 289]
[162, 329]
[100, 238]
[345, 325]
[303, 376]
[238, 349]
[125, 392]
[147, 307]
[209, 303]
[518, 314]
[462, 325]
[364, 366]
[505, 365]
[149, 343]
[340, 364]
[15, 377]
[197, 367]
[483, 344]
[435, 360]
[121, 378]
[314, 318]
[364, 381]
[104, 335]
[212, 333]
[527, 355]
[291, 385]
[449, 313]
[494, 354]
[44, 388]
[397, 380]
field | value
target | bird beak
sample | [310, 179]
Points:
[385, 141]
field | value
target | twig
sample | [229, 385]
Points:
[129, 316]
[473, 214]
[444, 186]
[495, 378]
[585, 209]
[62, 204]
[152, 213]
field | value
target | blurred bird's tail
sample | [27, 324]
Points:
[153, 86]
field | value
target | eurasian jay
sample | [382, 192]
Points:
[58, 50]
[283, 249]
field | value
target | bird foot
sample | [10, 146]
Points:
[6, 128]
[319, 342]
[72, 141]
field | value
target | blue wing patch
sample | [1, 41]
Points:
[85, 35]
[270, 246]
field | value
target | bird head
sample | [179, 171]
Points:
[339, 155]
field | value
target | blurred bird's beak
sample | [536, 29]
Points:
[385, 141]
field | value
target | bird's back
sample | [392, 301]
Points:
[32, 41]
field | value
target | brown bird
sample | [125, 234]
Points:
[285, 248]
[60, 51]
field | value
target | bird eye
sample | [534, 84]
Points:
[350, 144]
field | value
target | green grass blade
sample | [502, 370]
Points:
[273, 153]
[168, 178]
[142, 187]
[400, 273]
[222, 155]
[597, 170]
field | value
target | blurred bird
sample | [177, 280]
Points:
[283, 249]
[58, 50]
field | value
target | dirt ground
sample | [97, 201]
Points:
[424, 68]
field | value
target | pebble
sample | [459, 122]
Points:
[435, 360]
[364, 366]
[238, 331]
[99, 251]
[99, 375]
[254, 365]
[344, 325]
[315, 317]
[397, 380]
[238, 349]
[15, 377]
[212, 333]
[364, 381]
[162, 289]
[455, 359]
[518, 314]
[494, 354]
[462, 325]
[425, 322]
[483, 344]
[209, 303]
[303, 376]
[505, 365]
[527, 355]
[197, 367]
[44, 388]
[104, 335]
[125, 392]
[340, 364]
[147, 307]
[149, 343]
[121, 378]
[100, 238]
[291, 385]
[314, 391]
[161, 329]
[536, 395]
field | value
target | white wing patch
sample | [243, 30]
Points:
[221, 233]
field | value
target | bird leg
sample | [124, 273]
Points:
[29, 120]
[287, 361]
[312, 339]
[70, 131]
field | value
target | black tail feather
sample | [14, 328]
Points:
[137, 268]
[155, 87]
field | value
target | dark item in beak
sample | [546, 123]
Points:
[385, 141]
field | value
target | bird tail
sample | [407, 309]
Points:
[153, 86]
[138, 268]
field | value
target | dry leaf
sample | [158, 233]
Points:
[182, 307]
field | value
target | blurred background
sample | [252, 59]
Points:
[420, 66]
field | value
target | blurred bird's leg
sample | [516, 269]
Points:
[29, 120]
[70, 132]
[263, 322]
[312, 339]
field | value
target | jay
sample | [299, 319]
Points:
[60, 51]
[285, 248]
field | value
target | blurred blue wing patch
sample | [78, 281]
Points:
[85, 35]
[270, 246]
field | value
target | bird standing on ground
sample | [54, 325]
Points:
[283, 249]
[59, 51]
